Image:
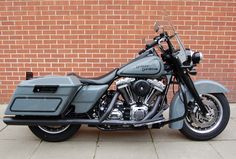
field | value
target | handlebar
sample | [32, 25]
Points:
[157, 41]
[153, 43]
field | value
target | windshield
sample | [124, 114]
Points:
[167, 26]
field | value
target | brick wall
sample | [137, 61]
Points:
[91, 37]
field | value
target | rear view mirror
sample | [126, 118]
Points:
[156, 26]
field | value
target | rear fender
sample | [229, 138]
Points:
[177, 107]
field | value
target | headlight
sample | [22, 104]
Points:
[197, 57]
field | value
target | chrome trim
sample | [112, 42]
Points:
[201, 56]
[215, 124]
[54, 129]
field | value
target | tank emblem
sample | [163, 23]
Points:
[146, 68]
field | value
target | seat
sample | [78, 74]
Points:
[104, 79]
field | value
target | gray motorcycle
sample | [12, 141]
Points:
[54, 107]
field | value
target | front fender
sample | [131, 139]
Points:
[177, 107]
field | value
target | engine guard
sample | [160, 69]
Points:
[177, 108]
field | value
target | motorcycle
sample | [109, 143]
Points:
[54, 107]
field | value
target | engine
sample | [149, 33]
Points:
[139, 96]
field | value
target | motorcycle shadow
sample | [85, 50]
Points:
[145, 135]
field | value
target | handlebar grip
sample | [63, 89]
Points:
[141, 51]
[153, 43]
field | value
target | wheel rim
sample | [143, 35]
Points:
[199, 124]
[54, 129]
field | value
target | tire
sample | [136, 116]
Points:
[54, 134]
[223, 113]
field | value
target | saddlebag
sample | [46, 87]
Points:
[43, 96]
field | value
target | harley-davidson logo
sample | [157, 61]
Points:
[146, 68]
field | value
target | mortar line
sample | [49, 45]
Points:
[37, 147]
[95, 151]
[153, 143]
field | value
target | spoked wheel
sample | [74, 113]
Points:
[54, 133]
[199, 127]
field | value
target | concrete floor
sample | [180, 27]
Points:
[89, 143]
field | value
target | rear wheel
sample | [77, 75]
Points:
[54, 133]
[198, 127]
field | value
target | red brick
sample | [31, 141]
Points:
[91, 37]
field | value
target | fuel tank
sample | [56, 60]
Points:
[147, 65]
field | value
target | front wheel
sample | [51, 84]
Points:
[54, 133]
[200, 128]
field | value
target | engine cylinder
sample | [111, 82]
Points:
[124, 86]
[141, 88]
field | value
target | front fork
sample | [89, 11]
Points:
[185, 78]
[190, 85]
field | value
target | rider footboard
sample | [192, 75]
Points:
[43, 96]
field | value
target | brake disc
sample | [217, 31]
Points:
[198, 120]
